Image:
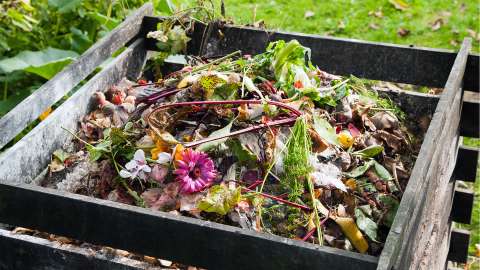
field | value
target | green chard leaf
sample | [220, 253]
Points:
[220, 199]
[382, 172]
[391, 203]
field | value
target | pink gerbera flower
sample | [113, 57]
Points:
[195, 171]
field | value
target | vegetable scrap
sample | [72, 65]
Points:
[269, 143]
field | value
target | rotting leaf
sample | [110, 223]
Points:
[368, 226]
[240, 151]
[218, 133]
[220, 199]
[61, 155]
[399, 4]
[369, 152]
[325, 130]
[360, 170]
[382, 172]
[392, 205]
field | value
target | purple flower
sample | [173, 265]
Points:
[137, 167]
[195, 171]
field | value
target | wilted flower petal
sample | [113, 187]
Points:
[195, 171]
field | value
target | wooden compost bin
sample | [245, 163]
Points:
[421, 235]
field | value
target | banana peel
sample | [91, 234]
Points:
[350, 229]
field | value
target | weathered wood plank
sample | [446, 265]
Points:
[466, 164]
[431, 173]
[28, 157]
[155, 233]
[462, 205]
[24, 252]
[459, 241]
[371, 60]
[52, 91]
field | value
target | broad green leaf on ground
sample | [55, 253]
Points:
[382, 172]
[392, 205]
[218, 133]
[369, 152]
[360, 170]
[366, 225]
[325, 130]
[65, 6]
[220, 199]
[45, 63]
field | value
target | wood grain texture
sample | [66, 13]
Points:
[52, 91]
[24, 252]
[420, 225]
[182, 239]
[28, 157]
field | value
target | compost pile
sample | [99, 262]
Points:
[268, 143]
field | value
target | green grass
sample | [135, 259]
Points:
[351, 19]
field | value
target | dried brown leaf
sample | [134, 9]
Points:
[403, 32]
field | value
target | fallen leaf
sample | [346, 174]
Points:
[399, 4]
[341, 25]
[437, 24]
[454, 42]
[403, 32]
[473, 34]
[378, 13]
[309, 14]
[368, 226]
[374, 26]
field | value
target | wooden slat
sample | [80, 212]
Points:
[466, 164]
[24, 252]
[469, 126]
[182, 239]
[462, 205]
[459, 241]
[371, 60]
[420, 227]
[52, 91]
[28, 157]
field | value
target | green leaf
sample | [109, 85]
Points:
[360, 170]
[94, 153]
[226, 91]
[392, 205]
[165, 6]
[65, 6]
[240, 151]
[370, 151]
[80, 40]
[109, 22]
[45, 63]
[382, 172]
[325, 130]
[218, 133]
[61, 155]
[365, 224]
[220, 199]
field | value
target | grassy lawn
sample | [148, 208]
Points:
[435, 23]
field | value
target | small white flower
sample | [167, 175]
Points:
[137, 167]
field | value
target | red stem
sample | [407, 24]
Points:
[275, 198]
[309, 234]
[285, 121]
